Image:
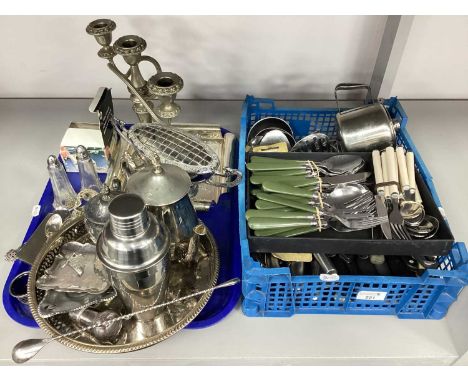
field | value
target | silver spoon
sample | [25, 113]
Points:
[27, 349]
[344, 195]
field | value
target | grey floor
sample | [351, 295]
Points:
[32, 129]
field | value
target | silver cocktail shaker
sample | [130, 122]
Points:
[134, 247]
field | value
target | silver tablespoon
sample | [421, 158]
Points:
[27, 349]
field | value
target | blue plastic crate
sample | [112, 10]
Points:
[276, 293]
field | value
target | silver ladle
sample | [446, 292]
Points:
[27, 349]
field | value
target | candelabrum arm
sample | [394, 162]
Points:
[135, 92]
[153, 61]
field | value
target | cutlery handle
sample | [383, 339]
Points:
[365, 266]
[280, 173]
[258, 159]
[279, 214]
[279, 199]
[281, 188]
[325, 264]
[267, 223]
[282, 232]
[264, 205]
[395, 164]
[411, 171]
[378, 171]
[385, 175]
[271, 231]
[297, 231]
[402, 168]
[391, 171]
[266, 196]
[273, 166]
[293, 181]
[418, 198]
[380, 265]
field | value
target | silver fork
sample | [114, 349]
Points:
[397, 222]
[359, 224]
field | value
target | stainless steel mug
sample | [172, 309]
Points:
[364, 128]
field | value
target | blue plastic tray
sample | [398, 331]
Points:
[221, 219]
[276, 293]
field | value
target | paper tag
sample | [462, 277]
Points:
[35, 211]
[332, 277]
[371, 295]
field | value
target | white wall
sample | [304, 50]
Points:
[434, 63]
[218, 57]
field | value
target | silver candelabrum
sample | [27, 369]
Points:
[162, 86]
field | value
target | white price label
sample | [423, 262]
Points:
[35, 211]
[332, 277]
[371, 295]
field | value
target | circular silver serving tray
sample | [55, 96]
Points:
[183, 280]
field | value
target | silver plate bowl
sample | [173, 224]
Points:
[183, 280]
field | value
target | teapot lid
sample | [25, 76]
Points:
[160, 185]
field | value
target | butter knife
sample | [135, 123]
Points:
[382, 211]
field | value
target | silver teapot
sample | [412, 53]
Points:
[165, 189]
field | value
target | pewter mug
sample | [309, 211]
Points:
[364, 128]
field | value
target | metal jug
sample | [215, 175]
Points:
[364, 128]
[165, 189]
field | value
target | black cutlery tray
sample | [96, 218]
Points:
[366, 242]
